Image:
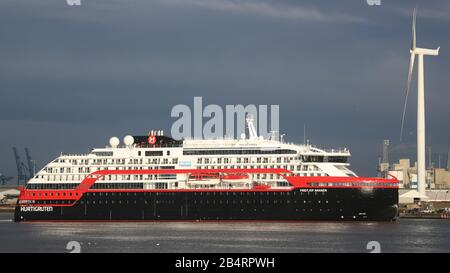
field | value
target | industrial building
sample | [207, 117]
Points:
[437, 179]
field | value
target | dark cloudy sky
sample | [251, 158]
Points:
[71, 77]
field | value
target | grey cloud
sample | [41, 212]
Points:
[272, 9]
[72, 77]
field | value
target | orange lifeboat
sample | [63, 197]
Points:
[261, 187]
[235, 178]
[204, 179]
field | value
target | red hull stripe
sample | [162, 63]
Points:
[295, 181]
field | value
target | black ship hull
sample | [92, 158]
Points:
[341, 204]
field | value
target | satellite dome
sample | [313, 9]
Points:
[128, 140]
[114, 142]
[243, 136]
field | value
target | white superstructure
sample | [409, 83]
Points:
[255, 152]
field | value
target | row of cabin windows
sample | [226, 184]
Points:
[171, 194]
[171, 202]
[55, 194]
[53, 202]
[73, 161]
[69, 178]
[335, 159]
[118, 186]
[67, 186]
[104, 161]
[298, 168]
[100, 202]
[152, 177]
[303, 158]
[265, 160]
[213, 194]
[250, 193]
[175, 161]
[138, 177]
[112, 162]
[253, 201]
[238, 152]
[52, 186]
[225, 160]
[66, 170]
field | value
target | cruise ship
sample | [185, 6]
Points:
[156, 178]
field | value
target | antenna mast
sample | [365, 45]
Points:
[448, 159]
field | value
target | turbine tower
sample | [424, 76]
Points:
[420, 52]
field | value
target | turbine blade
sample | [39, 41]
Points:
[411, 67]
[413, 32]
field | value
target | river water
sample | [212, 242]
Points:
[405, 235]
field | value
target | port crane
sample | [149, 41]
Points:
[24, 171]
[4, 179]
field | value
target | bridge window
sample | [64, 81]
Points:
[153, 153]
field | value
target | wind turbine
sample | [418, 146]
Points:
[420, 52]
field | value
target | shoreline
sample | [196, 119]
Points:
[8, 209]
[425, 216]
